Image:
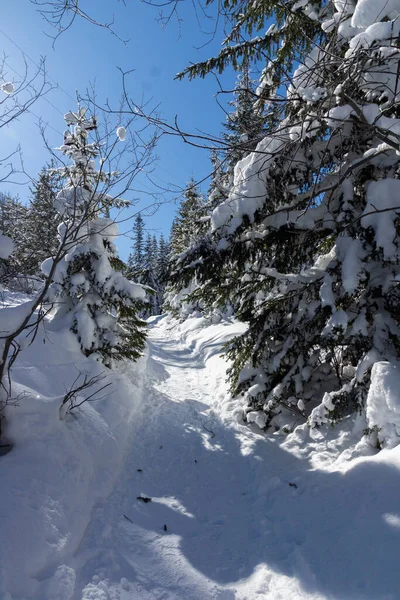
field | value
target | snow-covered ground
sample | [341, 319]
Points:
[234, 514]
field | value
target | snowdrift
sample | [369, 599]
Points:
[58, 469]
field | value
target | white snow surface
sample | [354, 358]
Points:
[383, 402]
[234, 514]
[368, 11]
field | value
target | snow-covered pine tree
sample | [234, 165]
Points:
[220, 183]
[89, 290]
[187, 229]
[161, 270]
[42, 220]
[187, 223]
[307, 242]
[148, 277]
[245, 128]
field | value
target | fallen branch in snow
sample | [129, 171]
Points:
[128, 519]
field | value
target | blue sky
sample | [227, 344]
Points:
[86, 54]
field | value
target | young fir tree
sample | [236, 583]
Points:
[219, 184]
[89, 289]
[245, 124]
[307, 244]
[7, 246]
[187, 223]
[186, 230]
[148, 276]
[154, 251]
[135, 260]
[162, 261]
[161, 270]
[42, 220]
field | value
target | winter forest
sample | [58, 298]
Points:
[203, 405]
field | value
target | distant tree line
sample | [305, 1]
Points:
[148, 265]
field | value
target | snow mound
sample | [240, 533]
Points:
[383, 403]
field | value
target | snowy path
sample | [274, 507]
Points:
[244, 519]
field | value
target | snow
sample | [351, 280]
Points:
[368, 11]
[57, 470]
[234, 514]
[374, 32]
[326, 293]
[258, 417]
[249, 186]
[383, 403]
[350, 252]
[72, 118]
[7, 88]
[300, 405]
[339, 320]
[121, 134]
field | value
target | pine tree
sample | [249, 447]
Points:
[42, 220]
[148, 254]
[13, 220]
[245, 124]
[218, 190]
[89, 288]
[135, 260]
[288, 40]
[307, 244]
[7, 245]
[162, 270]
[148, 276]
[154, 251]
[187, 223]
[162, 261]
[187, 228]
